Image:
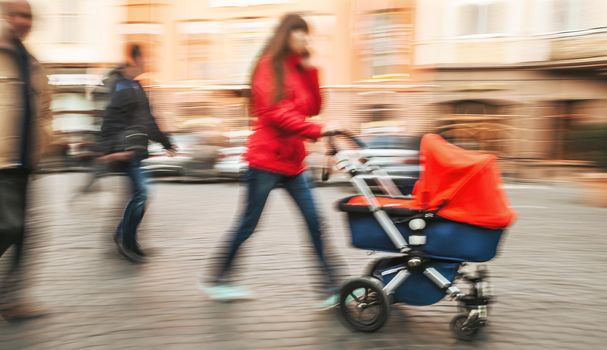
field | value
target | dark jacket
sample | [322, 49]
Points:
[128, 123]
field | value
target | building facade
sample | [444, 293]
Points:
[516, 76]
[205, 50]
[77, 41]
[505, 76]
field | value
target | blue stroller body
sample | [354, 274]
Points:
[448, 243]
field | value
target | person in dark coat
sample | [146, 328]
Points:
[127, 128]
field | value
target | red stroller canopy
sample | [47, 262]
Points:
[464, 185]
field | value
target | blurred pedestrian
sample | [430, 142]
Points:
[128, 126]
[100, 168]
[25, 122]
[284, 92]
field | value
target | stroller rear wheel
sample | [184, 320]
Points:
[363, 305]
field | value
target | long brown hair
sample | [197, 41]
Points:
[278, 49]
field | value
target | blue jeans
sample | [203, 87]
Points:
[133, 214]
[259, 185]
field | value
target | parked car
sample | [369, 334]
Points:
[196, 157]
[397, 154]
[230, 161]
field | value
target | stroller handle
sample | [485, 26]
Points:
[332, 149]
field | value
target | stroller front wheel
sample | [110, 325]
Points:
[463, 331]
[363, 305]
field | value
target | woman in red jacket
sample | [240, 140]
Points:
[284, 92]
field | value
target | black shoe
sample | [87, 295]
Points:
[21, 311]
[137, 250]
[129, 254]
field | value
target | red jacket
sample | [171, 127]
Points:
[277, 145]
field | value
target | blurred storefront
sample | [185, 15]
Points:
[516, 77]
[77, 105]
[78, 42]
[509, 77]
[364, 50]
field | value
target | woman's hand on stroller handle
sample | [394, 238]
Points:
[333, 151]
[330, 134]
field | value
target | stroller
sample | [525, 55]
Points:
[456, 214]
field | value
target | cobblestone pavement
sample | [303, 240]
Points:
[549, 278]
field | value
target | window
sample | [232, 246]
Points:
[69, 20]
[573, 15]
[66, 102]
[564, 16]
[564, 121]
[481, 18]
[388, 37]
[199, 61]
[248, 38]
[196, 45]
[72, 112]
[387, 42]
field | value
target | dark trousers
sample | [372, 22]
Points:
[259, 185]
[133, 214]
[13, 197]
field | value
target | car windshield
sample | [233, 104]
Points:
[391, 142]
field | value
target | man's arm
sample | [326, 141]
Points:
[157, 135]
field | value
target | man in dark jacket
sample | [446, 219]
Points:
[127, 127]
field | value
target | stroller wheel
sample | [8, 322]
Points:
[363, 305]
[461, 332]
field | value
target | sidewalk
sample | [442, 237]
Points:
[548, 279]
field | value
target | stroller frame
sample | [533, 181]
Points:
[473, 305]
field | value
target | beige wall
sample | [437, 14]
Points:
[234, 36]
[526, 30]
[198, 43]
[232, 47]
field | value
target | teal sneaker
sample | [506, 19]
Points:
[333, 300]
[330, 302]
[226, 292]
